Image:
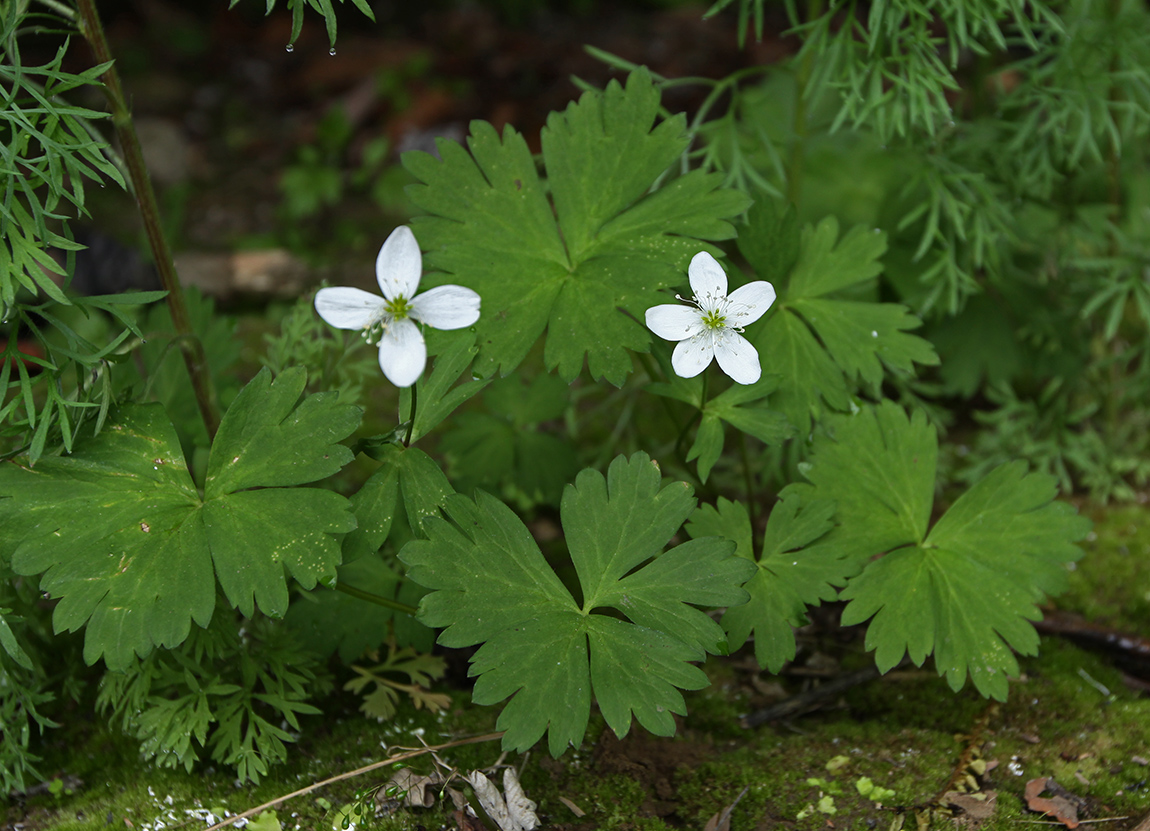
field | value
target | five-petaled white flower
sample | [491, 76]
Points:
[710, 327]
[390, 319]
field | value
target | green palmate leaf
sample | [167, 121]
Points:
[587, 269]
[885, 500]
[491, 585]
[795, 572]
[821, 346]
[742, 406]
[965, 590]
[129, 546]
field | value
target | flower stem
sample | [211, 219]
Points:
[411, 416]
[752, 502]
[141, 185]
[378, 600]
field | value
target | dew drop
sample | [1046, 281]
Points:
[874, 334]
[290, 47]
[331, 51]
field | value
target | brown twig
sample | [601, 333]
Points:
[487, 737]
[92, 29]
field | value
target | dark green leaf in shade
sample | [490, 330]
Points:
[819, 346]
[796, 571]
[329, 620]
[491, 585]
[374, 506]
[9, 642]
[588, 269]
[126, 543]
[770, 241]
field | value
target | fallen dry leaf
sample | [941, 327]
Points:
[575, 809]
[722, 820]
[1062, 805]
[971, 805]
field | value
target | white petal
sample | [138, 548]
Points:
[674, 322]
[402, 353]
[446, 307]
[693, 355]
[708, 280]
[399, 264]
[737, 357]
[748, 303]
[347, 308]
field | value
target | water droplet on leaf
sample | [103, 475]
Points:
[290, 47]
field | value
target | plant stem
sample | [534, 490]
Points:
[752, 501]
[59, 8]
[378, 600]
[411, 416]
[93, 30]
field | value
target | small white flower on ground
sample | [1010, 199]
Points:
[711, 326]
[391, 319]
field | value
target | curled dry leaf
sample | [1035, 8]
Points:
[1062, 805]
[516, 812]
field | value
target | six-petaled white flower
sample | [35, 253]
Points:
[391, 319]
[710, 328]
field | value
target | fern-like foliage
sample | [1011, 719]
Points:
[222, 694]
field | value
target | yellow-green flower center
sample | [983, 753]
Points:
[398, 308]
[713, 320]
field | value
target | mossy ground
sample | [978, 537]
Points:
[1069, 716]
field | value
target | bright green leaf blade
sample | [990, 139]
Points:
[612, 524]
[1009, 522]
[638, 670]
[288, 528]
[485, 570]
[701, 572]
[602, 155]
[879, 470]
[809, 381]
[540, 665]
[11, 645]
[374, 506]
[933, 599]
[425, 489]
[793, 573]
[490, 583]
[265, 439]
[115, 529]
[860, 335]
[493, 229]
[824, 266]
[437, 397]
[729, 520]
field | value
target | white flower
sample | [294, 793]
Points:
[710, 327]
[391, 319]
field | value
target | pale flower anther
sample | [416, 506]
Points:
[390, 320]
[711, 326]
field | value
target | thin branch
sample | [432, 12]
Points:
[391, 760]
[93, 30]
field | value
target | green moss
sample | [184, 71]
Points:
[1111, 584]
